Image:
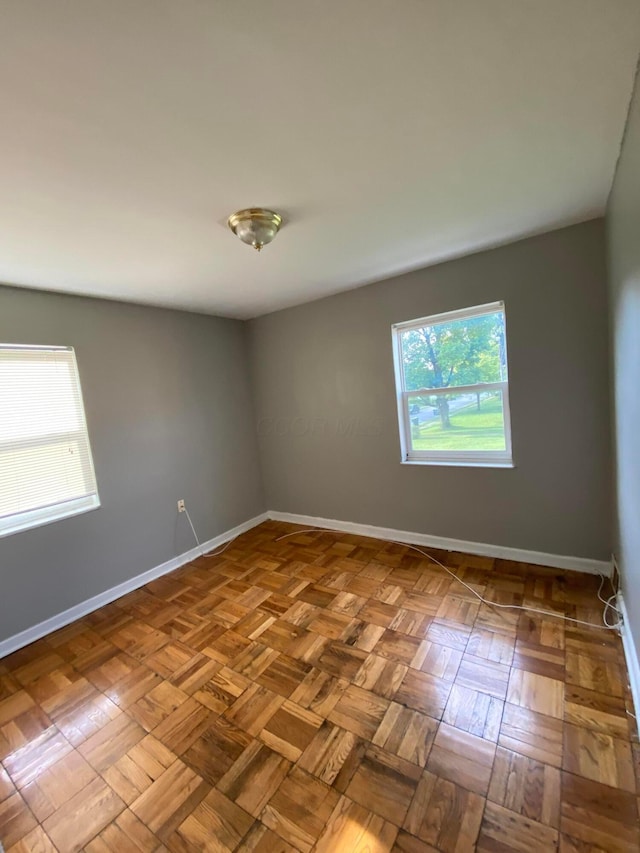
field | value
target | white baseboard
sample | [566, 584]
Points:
[538, 558]
[17, 641]
[581, 564]
[630, 653]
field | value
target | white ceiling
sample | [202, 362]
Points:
[389, 133]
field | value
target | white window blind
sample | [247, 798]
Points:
[46, 468]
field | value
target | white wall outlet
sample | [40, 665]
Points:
[181, 506]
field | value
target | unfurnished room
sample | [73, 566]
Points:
[319, 426]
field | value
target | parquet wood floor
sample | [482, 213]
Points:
[323, 693]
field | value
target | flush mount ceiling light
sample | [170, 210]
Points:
[255, 226]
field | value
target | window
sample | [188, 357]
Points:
[453, 393]
[46, 469]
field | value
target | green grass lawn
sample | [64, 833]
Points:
[471, 429]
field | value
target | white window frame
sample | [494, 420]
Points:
[470, 458]
[27, 519]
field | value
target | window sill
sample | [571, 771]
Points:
[47, 515]
[458, 463]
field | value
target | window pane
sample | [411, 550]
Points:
[455, 352]
[45, 456]
[33, 384]
[457, 422]
[43, 475]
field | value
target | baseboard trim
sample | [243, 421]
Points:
[630, 654]
[538, 558]
[580, 564]
[54, 623]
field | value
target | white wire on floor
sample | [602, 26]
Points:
[208, 553]
[607, 603]
[195, 535]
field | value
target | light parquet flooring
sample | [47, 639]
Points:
[327, 693]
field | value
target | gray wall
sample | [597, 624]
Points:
[325, 401]
[170, 416]
[623, 221]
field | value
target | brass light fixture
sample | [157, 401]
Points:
[255, 226]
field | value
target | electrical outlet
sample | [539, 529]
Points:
[181, 506]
